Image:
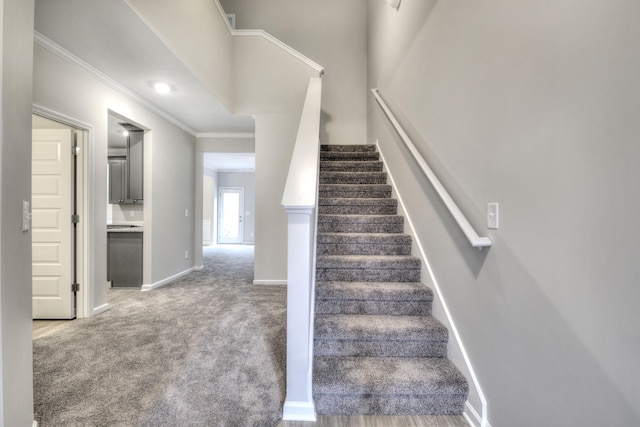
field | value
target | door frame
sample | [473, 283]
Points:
[84, 297]
[219, 213]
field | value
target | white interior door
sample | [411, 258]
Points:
[230, 210]
[52, 230]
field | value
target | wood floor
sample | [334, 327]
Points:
[380, 421]
[114, 296]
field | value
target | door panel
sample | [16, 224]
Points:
[52, 238]
[230, 210]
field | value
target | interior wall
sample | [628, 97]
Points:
[533, 106]
[61, 87]
[275, 138]
[209, 199]
[247, 181]
[331, 33]
[16, 370]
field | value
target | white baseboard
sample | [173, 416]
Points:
[35, 424]
[166, 281]
[473, 417]
[298, 411]
[270, 282]
[100, 309]
[198, 268]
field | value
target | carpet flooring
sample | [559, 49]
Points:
[207, 350]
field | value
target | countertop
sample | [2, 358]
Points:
[129, 227]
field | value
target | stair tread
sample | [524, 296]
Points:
[368, 261]
[366, 238]
[360, 218]
[387, 376]
[379, 328]
[375, 291]
[347, 147]
[356, 200]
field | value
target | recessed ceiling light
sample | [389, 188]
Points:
[125, 133]
[161, 87]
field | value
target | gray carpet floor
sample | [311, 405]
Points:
[207, 350]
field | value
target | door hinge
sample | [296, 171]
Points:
[75, 150]
[75, 287]
[75, 219]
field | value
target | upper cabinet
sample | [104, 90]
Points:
[126, 162]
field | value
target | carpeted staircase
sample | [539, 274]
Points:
[377, 348]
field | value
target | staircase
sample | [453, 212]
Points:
[377, 348]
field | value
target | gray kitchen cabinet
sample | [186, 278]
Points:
[117, 179]
[124, 259]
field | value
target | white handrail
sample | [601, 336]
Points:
[263, 34]
[475, 240]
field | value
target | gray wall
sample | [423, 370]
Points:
[63, 88]
[331, 33]
[247, 181]
[533, 105]
[16, 391]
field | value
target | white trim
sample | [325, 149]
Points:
[225, 135]
[298, 411]
[69, 57]
[198, 268]
[101, 309]
[473, 418]
[85, 175]
[270, 282]
[166, 281]
[35, 424]
[436, 286]
[268, 37]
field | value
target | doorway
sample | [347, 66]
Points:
[58, 217]
[230, 215]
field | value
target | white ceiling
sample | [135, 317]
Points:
[109, 36]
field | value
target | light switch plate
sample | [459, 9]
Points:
[493, 217]
[26, 216]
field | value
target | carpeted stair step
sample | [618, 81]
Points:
[368, 191]
[335, 177]
[357, 206]
[387, 385]
[368, 268]
[360, 224]
[349, 156]
[351, 166]
[363, 244]
[392, 298]
[379, 336]
[348, 147]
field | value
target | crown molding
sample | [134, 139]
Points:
[249, 135]
[69, 57]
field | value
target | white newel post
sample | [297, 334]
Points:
[300, 279]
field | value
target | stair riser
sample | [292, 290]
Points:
[347, 147]
[360, 228]
[389, 405]
[395, 308]
[398, 348]
[354, 192]
[366, 275]
[357, 210]
[355, 180]
[351, 166]
[363, 249]
[350, 157]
